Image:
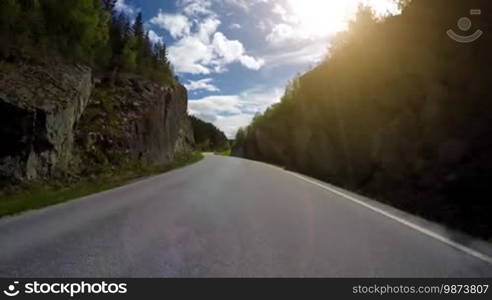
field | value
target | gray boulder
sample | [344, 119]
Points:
[39, 107]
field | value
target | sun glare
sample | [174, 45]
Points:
[324, 17]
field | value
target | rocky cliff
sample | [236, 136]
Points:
[39, 107]
[59, 119]
[133, 121]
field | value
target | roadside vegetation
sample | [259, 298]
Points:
[36, 195]
[88, 32]
[224, 153]
[209, 138]
[397, 111]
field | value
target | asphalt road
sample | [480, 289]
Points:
[224, 217]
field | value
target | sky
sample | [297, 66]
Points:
[235, 57]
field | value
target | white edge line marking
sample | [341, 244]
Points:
[420, 229]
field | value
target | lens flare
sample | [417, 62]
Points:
[323, 17]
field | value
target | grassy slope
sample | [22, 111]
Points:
[38, 195]
[224, 153]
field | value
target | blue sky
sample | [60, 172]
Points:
[236, 56]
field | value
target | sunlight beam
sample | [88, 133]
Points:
[317, 18]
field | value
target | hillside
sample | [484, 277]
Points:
[397, 111]
[208, 138]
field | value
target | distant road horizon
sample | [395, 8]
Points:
[228, 217]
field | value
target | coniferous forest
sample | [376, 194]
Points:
[397, 111]
[90, 32]
[208, 138]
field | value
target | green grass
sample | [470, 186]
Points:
[38, 195]
[7, 67]
[224, 153]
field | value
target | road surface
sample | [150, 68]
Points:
[225, 217]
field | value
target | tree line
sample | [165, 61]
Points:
[208, 138]
[398, 111]
[91, 32]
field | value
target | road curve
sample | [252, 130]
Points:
[224, 217]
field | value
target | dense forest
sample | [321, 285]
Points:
[208, 138]
[90, 32]
[398, 111]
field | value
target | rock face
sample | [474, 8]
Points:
[39, 107]
[134, 121]
[55, 120]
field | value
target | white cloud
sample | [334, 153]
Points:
[230, 112]
[310, 20]
[303, 54]
[243, 4]
[262, 26]
[154, 37]
[207, 28]
[283, 33]
[227, 50]
[196, 7]
[200, 47]
[177, 25]
[122, 7]
[235, 26]
[191, 55]
[203, 84]
[216, 105]
[251, 62]
[279, 10]
[207, 50]
[230, 124]
[302, 31]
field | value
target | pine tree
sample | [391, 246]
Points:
[108, 5]
[138, 27]
[84, 31]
